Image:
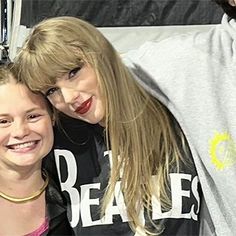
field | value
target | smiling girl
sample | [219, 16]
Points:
[29, 201]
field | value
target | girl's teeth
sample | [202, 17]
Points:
[23, 145]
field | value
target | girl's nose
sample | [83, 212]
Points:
[20, 130]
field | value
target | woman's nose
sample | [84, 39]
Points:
[68, 95]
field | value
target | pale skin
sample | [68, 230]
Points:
[26, 136]
[232, 3]
[77, 94]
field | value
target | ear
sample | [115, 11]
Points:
[232, 3]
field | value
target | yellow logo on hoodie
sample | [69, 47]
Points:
[222, 150]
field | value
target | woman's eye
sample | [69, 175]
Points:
[50, 91]
[73, 72]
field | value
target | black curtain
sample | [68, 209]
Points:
[124, 12]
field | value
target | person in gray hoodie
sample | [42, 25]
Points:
[192, 75]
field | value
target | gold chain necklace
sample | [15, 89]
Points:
[30, 198]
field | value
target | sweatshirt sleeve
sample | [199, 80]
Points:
[194, 77]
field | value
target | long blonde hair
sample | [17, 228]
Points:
[138, 127]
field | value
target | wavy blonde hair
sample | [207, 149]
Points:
[138, 127]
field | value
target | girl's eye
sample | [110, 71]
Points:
[50, 91]
[4, 122]
[33, 117]
[73, 72]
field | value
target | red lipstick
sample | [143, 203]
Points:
[84, 107]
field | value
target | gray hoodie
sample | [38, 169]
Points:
[194, 75]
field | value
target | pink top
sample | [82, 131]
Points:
[42, 229]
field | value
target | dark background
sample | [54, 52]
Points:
[110, 13]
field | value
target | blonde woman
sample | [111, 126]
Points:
[152, 186]
[30, 202]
